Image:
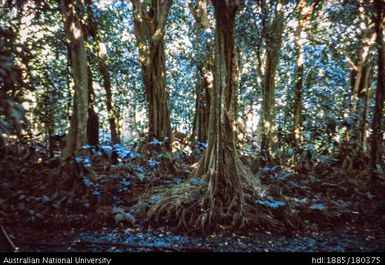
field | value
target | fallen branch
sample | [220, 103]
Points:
[13, 246]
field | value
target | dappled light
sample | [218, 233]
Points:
[192, 125]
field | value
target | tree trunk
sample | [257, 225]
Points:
[353, 146]
[149, 22]
[229, 198]
[50, 133]
[360, 92]
[204, 74]
[305, 11]
[274, 40]
[77, 136]
[202, 104]
[220, 164]
[101, 54]
[362, 109]
[93, 120]
[377, 125]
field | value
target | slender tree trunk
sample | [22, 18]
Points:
[274, 40]
[359, 103]
[377, 124]
[204, 74]
[305, 11]
[77, 136]
[360, 84]
[362, 109]
[102, 59]
[351, 149]
[202, 104]
[199, 122]
[112, 117]
[299, 43]
[149, 22]
[50, 133]
[93, 120]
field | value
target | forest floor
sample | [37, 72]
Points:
[41, 211]
[345, 237]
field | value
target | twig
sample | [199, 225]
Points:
[15, 249]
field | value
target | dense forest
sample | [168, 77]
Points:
[192, 125]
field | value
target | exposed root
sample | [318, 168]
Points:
[207, 206]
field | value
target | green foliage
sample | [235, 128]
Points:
[330, 45]
[11, 84]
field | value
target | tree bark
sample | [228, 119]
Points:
[204, 73]
[102, 60]
[220, 164]
[377, 124]
[93, 119]
[361, 83]
[202, 103]
[274, 41]
[77, 136]
[149, 22]
[352, 147]
[228, 199]
[305, 11]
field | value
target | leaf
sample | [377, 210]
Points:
[318, 206]
[153, 163]
[38, 215]
[154, 198]
[87, 146]
[155, 142]
[87, 182]
[285, 176]
[117, 210]
[125, 183]
[264, 169]
[45, 198]
[274, 204]
[140, 176]
[121, 217]
[96, 193]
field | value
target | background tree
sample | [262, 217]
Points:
[377, 124]
[273, 31]
[99, 48]
[305, 12]
[77, 136]
[149, 23]
[361, 80]
[204, 74]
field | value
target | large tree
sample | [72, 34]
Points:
[377, 124]
[305, 11]
[352, 148]
[273, 31]
[77, 136]
[149, 22]
[229, 198]
[361, 80]
[204, 61]
[101, 55]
